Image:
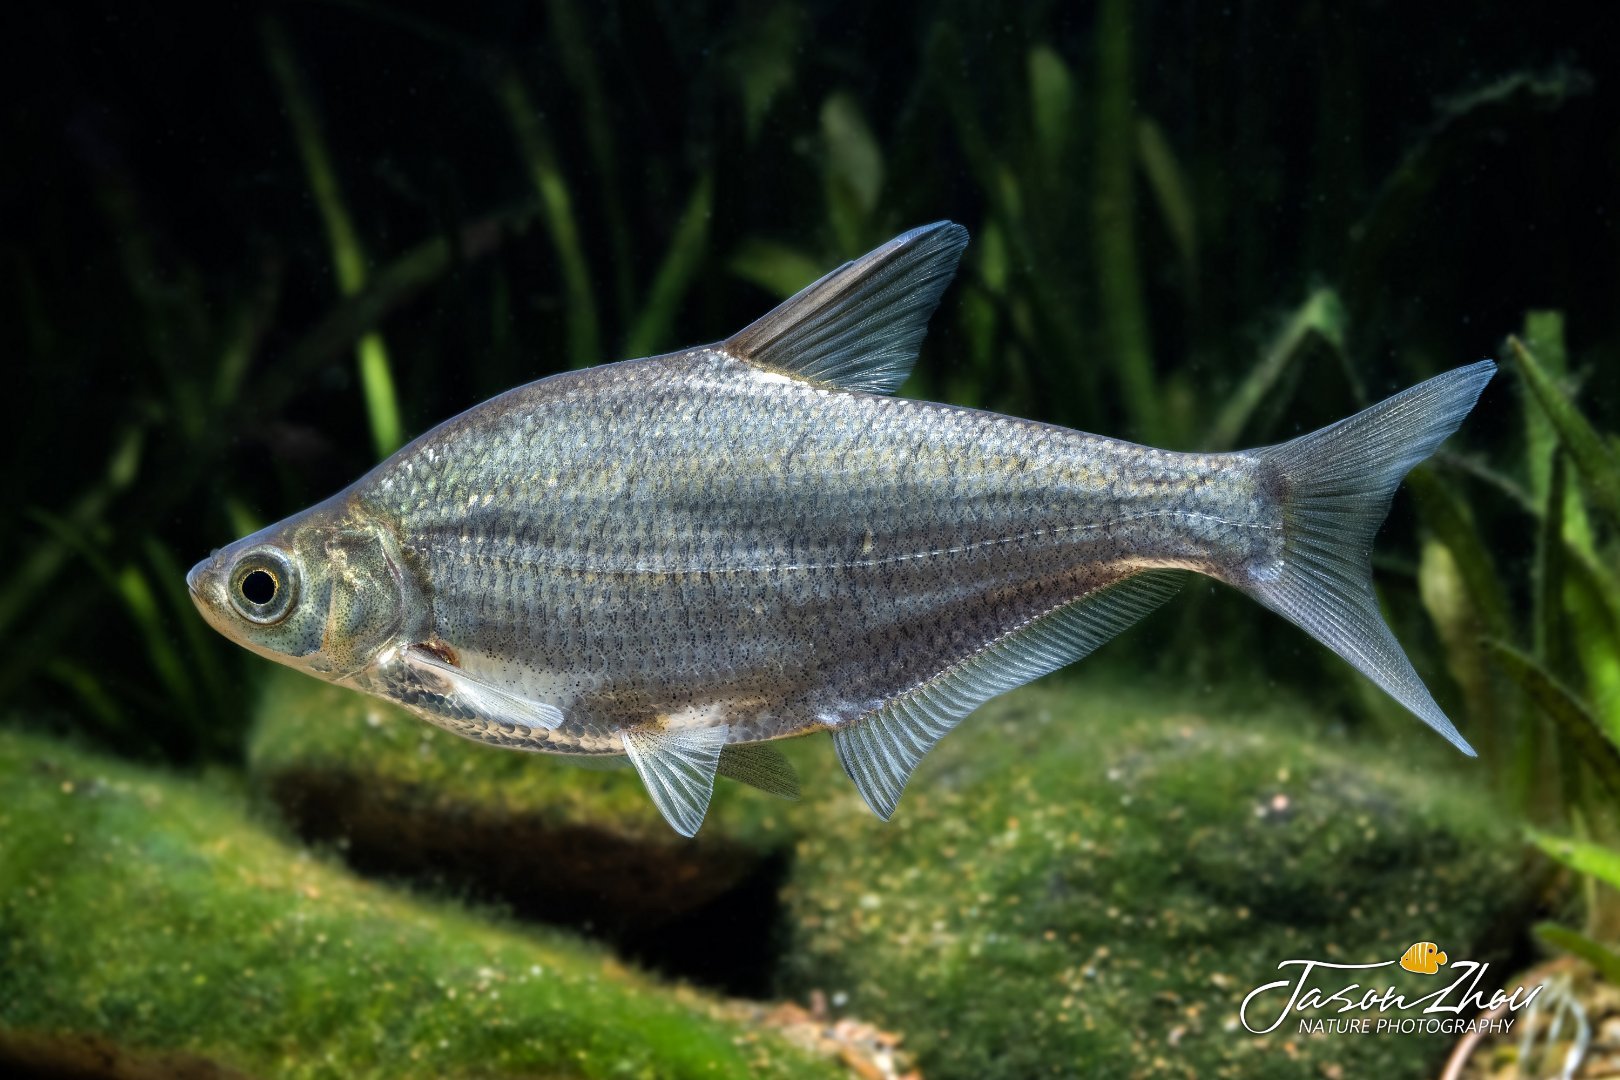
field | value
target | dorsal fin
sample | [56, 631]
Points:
[880, 749]
[859, 327]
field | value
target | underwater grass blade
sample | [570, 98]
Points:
[1457, 622]
[1445, 514]
[45, 560]
[675, 274]
[1582, 856]
[348, 258]
[557, 207]
[140, 603]
[1552, 646]
[1171, 190]
[1053, 293]
[242, 520]
[172, 312]
[382, 403]
[1593, 744]
[1321, 318]
[579, 58]
[1051, 106]
[764, 56]
[247, 322]
[852, 171]
[777, 268]
[1598, 584]
[1544, 335]
[981, 315]
[1594, 635]
[95, 697]
[1601, 957]
[1122, 310]
[1592, 456]
[389, 288]
[200, 646]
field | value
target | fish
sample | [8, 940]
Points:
[674, 562]
[1423, 958]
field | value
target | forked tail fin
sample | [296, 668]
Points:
[1336, 487]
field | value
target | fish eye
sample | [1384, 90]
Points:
[263, 586]
[259, 587]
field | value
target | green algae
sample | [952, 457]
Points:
[1092, 880]
[153, 912]
[1089, 875]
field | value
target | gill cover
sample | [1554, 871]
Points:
[366, 599]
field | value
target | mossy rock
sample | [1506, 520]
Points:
[553, 840]
[149, 927]
[1089, 885]
[1086, 879]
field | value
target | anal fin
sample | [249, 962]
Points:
[880, 750]
[678, 769]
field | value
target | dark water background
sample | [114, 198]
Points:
[1155, 191]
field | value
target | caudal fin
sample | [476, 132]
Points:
[1337, 484]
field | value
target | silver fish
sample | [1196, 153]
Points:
[680, 559]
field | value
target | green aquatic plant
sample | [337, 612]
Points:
[1121, 309]
[688, 247]
[348, 258]
[211, 374]
[530, 130]
[1600, 864]
[1546, 694]
[1573, 677]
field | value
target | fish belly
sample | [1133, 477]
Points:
[687, 541]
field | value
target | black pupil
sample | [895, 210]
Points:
[259, 587]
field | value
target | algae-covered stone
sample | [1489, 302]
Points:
[1086, 886]
[555, 840]
[1084, 880]
[147, 920]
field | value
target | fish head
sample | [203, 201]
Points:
[322, 592]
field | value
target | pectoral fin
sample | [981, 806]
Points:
[678, 768]
[428, 683]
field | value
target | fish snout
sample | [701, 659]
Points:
[194, 576]
[202, 583]
[1440, 960]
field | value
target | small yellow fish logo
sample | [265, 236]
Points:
[1424, 958]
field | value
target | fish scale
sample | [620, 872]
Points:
[675, 561]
